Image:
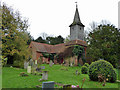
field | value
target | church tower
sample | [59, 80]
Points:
[76, 28]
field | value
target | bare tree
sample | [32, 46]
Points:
[93, 25]
[105, 22]
[44, 35]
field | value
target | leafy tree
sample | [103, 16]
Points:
[50, 39]
[55, 40]
[67, 39]
[40, 40]
[60, 39]
[14, 35]
[49, 55]
[30, 38]
[104, 44]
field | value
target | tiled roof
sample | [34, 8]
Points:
[42, 47]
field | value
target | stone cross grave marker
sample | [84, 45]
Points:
[48, 85]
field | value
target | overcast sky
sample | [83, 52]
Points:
[54, 16]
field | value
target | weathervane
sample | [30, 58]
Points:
[76, 4]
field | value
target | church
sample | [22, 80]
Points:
[64, 50]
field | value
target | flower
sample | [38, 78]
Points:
[73, 86]
[107, 79]
[77, 86]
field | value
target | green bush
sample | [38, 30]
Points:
[79, 65]
[87, 65]
[19, 64]
[84, 70]
[102, 67]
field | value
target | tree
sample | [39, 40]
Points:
[67, 39]
[78, 51]
[54, 40]
[60, 39]
[49, 39]
[14, 36]
[44, 35]
[30, 38]
[40, 40]
[104, 44]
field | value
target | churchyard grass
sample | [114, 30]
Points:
[57, 73]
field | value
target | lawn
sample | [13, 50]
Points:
[59, 74]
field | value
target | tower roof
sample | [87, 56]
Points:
[76, 20]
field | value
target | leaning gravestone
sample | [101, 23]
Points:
[48, 85]
[29, 69]
[51, 63]
[45, 75]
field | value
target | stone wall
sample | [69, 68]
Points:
[76, 32]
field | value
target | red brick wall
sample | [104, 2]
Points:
[38, 54]
[45, 60]
[33, 52]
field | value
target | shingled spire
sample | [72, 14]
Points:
[76, 20]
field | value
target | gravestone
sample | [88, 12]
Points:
[35, 61]
[42, 67]
[51, 63]
[25, 65]
[31, 62]
[76, 72]
[29, 69]
[34, 68]
[38, 70]
[45, 75]
[48, 85]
